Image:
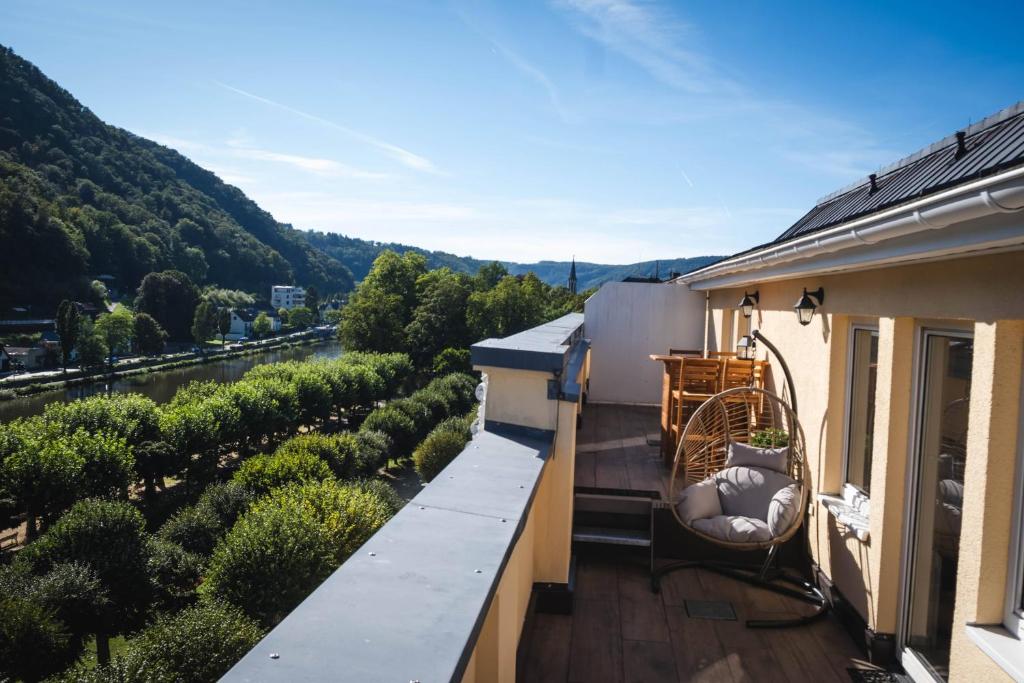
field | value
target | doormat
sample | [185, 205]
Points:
[710, 609]
[873, 676]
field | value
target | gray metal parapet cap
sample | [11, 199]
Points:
[542, 348]
[410, 604]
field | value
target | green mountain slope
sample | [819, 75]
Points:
[79, 198]
[358, 255]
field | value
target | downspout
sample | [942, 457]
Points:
[707, 320]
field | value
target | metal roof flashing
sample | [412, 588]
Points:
[543, 348]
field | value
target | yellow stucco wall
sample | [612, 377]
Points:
[973, 292]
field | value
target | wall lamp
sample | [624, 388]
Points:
[746, 348]
[748, 302]
[807, 303]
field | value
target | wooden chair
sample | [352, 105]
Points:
[738, 373]
[699, 379]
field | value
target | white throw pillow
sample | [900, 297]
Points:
[752, 456]
[783, 509]
[736, 528]
[698, 501]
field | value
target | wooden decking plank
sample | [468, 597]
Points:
[547, 650]
[597, 580]
[682, 585]
[641, 610]
[596, 650]
[647, 662]
[698, 652]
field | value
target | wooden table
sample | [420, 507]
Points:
[672, 367]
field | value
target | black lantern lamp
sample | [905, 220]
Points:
[748, 302]
[746, 348]
[807, 303]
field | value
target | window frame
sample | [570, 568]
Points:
[850, 490]
[1013, 611]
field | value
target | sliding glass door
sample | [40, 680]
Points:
[937, 500]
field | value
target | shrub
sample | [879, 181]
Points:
[440, 447]
[195, 530]
[336, 451]
[372, 448]
[436, 401]
[769, 438]
[33, 643]
[451, 360]
[288, 542]
[197, 645]
[175, 573]
[74, 594]
[418, 412]
[396, 425]
[463, 388]
[265, 472]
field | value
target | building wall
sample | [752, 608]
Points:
[981, 293]
[627, 322]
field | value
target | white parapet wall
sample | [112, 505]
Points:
[627, 322]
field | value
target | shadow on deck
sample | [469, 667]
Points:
[620, 631]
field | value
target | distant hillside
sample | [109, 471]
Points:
[358, 256]
[79, 198]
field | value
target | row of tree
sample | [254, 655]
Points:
[101, 445]
[401, 306]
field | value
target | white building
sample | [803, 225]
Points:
[286, 296]
[242, 319]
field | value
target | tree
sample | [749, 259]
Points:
[171, 298]
[282, 313]
[115, 329]
[313, 301]
[381, 307]
[223, 323]
[149, 336]
[488, 276]
[289, 541]
[33, 643]
[439, 320]
[205, 323]
[110, 539]
[92, 350]
[266, 472]
[300, 317]
[197, 645]
[67, 330]
[514, 305]
[262, 326]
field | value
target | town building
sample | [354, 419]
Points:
[242, 319]
[287, 297]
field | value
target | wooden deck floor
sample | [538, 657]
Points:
[621, 632]
[613, 449]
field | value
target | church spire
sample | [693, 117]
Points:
[572, 276]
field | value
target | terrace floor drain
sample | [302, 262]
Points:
[710, 609]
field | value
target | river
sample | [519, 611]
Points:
[161, 386]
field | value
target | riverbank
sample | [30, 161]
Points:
[25, 386]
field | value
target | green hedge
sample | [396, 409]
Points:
[442, 445]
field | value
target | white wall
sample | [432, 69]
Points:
[626, 322]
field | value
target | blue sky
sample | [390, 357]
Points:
[612, 130]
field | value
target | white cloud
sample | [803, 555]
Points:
[403, 156]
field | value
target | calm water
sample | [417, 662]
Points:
[160, 386]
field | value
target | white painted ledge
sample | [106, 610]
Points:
[1003, 647]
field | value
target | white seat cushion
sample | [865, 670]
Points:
[748, 491]
[783, 509]
[741, 454]
[735, 528]
[698, 501]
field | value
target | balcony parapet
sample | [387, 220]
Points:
[440, 592]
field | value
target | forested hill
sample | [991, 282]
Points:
[79, 198]
[359, 254]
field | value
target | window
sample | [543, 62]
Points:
[861, 422]
[937, 499]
